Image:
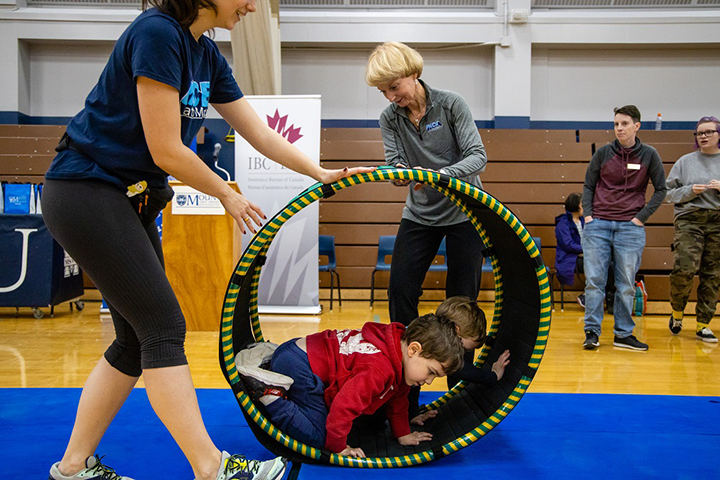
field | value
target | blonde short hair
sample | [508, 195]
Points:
[467, 315]
[390, 61]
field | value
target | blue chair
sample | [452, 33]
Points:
[442, 252]
[385, 248]
[386, 244]
[326, 247]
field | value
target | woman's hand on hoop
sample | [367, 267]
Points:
[330, 176]
[401, 182]
[243, 211]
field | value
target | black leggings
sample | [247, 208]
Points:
[101, 230]
[415, 248]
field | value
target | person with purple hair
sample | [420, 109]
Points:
[694, 187]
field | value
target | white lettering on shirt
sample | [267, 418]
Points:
[350, 344]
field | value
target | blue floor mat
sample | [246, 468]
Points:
[546, 436]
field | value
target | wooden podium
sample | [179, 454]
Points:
[201, 252]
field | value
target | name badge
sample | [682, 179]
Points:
[633, 166]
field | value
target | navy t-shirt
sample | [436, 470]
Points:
[108, 131]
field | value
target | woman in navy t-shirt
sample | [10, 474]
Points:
[101, 196]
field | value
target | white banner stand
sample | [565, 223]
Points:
[289, 279]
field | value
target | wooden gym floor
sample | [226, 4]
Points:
[61, 351]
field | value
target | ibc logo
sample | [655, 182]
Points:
[277, 123]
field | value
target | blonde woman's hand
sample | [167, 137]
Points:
[400, 182]
[419, 185]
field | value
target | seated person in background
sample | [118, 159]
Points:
[568, 232]
[471, 327]
[568, 254]
[337, 375]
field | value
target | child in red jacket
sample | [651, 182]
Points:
[338, 375]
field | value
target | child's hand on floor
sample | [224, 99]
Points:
[353, 452]
[423, 417]
[502, 362]
[415, 438]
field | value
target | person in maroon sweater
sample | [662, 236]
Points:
[615, 214]
[337, 375]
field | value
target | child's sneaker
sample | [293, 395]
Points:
[706, 335]
[630, 342]
[261, 382]
[238, 467]
[675, 325]
[94, 471]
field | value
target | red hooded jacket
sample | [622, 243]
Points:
[361, 371]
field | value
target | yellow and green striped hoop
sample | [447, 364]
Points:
[259, 245]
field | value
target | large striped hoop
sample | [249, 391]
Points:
[521, 317]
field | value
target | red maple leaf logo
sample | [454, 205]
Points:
[277, 123]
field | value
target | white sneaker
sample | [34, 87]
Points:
[94, 471]
[238, 467]
[256, 354]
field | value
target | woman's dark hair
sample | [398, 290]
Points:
[184, 11]
[572, 202]
[629, 110]
[707, 120]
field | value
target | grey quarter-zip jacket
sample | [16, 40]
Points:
[447, 140]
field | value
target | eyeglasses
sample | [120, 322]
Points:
[706, 133]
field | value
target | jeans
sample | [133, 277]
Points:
[624, 241]
[303, 414]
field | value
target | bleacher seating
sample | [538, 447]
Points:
[530, 171]
[26, 151]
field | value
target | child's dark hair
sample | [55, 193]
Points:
[629, 110]
[572, 202]
[439, 341]
[467, 315]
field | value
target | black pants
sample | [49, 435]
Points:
[416, 246]
[121, 252]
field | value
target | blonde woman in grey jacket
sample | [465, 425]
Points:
[431, 129]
